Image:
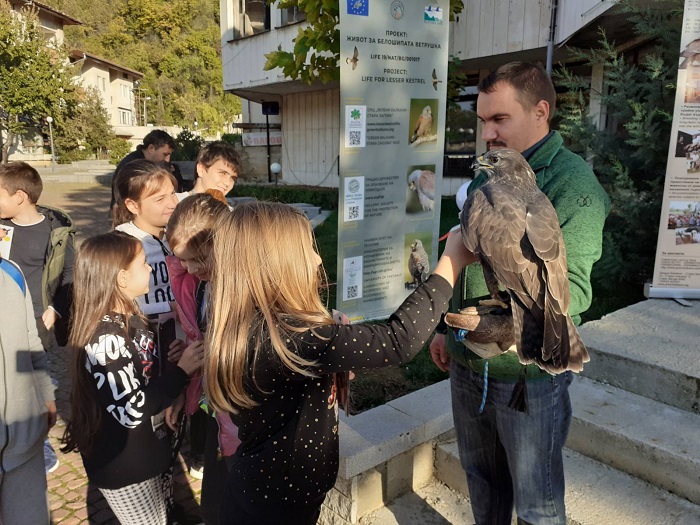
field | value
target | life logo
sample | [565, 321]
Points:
[358, 7]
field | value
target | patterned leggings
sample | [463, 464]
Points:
[140, 503]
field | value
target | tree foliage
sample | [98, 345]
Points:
[317, 45]
[629, 156]
[35, 80]
[175, 43]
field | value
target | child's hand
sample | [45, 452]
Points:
[192, 358]
[339, 317]
[172, 413]
[49, 318]
[175, 350]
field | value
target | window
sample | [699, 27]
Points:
[124, 117]
[125, 92]
[101, 83]
[292, 15]
[253, 17]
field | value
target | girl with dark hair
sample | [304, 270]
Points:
[118, 398]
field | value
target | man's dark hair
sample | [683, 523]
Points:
[158, 138]
[16, 176]
[530, 81]
[219, 150]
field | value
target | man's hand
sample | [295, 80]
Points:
[49, 318]
[51, 413]
[438, 351]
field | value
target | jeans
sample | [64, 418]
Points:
[512, 458]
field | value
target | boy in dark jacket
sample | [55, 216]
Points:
[40, 240]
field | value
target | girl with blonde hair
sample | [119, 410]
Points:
[272, 348]
[190, 233]
[118, 396]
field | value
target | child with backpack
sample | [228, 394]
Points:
[40, 240]
[27, 405]
[118, 397]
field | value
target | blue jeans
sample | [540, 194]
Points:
[512, 458]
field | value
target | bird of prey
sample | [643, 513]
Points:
[435, 80]
[423, 183]
[354, 60]
[691, 53]
[513, 229]
[418, 263]
[423, 124]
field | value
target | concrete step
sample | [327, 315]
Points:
[596, 494]
[433, 504]
[645, 438]
[651, 349]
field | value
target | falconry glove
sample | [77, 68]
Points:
[485, 330]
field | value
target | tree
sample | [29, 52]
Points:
[35, 78]
[317, 46]
[629, 157]
[175, 43]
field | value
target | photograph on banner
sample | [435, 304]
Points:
[688, 147]
[420, 191]
[684, 222]
[417, 254]
[424, 114]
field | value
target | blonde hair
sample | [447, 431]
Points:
[265, 290]
[95, 293]
[192, 224]
[137, 180]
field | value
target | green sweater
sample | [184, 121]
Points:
[582, 206]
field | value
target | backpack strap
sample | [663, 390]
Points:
[13, 271]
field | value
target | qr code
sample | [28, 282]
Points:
[355, 137]
[351, 292]
[353, 212]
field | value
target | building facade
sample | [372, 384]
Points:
[485, 35]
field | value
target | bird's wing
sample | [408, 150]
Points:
[418, 123]
[544, 235]
[354, 53]
[434, 74]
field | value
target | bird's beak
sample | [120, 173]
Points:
[481, 164]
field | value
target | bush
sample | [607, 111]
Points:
[72, 155]
[232, 138]
[187, 146]
[118, 149]
[326, 198]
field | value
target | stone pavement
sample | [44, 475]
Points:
[72, 500]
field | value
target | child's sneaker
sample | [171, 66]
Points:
[50, 460]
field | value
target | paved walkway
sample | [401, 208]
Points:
[71, 499]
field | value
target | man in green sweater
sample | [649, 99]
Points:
[511, 456]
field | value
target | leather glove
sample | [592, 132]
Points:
[485, 330]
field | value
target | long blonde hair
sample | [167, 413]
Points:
[95, 293]
[265, 289]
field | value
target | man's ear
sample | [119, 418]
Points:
[132, 206]
[199, 169]
[542, 111]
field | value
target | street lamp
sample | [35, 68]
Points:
[53, 156]
[195, 127]
[145, 113]
[275, 168]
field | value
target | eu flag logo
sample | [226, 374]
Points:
[358, 7]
